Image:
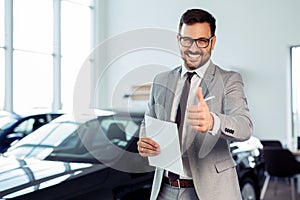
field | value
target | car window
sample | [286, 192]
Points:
[25, 127]
[115, 131]
[70, 142]
[119, 130]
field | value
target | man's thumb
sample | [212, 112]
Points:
[199, 95]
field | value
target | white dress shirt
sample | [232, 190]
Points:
[195, 82]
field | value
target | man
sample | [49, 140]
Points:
[216, 113]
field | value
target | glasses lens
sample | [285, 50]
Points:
[186, 42]
[202, 43]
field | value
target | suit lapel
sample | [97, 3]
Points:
[207, 79]
[207, 141]
[172, 80]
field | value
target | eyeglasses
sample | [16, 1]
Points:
[200, 42]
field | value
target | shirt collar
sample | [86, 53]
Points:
[199, 71]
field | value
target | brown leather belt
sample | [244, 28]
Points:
[180, 183]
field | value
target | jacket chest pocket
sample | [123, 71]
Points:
[223, 165]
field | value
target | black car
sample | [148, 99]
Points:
[94, 156]
[14, 127]
[250, 167]
[86, 156]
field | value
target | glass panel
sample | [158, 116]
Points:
[1, 23]
[33, 25]
[75, 26]
[296, 90]
[81, 2]
[33, 82]
[2, 79]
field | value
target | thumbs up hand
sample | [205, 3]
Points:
[199, 116]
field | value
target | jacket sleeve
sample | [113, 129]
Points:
[236, 124]
[149, 110]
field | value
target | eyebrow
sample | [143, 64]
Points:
[196, 38]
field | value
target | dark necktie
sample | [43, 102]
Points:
[181, 113]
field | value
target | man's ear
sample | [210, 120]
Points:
[213, 42]
[178, 37]
[178, 40]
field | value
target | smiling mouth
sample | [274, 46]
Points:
[193, 56]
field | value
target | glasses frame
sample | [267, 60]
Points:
[207, 40]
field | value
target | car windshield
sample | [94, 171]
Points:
[48, 137]
[78, 142]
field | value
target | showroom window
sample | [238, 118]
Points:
[2, 80]
[75, 45]
[51, 38]
[32, 58]
[2, 72]
[295, 71]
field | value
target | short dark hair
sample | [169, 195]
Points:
[193, 16]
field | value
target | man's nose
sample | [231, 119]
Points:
[194, 47]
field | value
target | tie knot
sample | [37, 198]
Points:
[190, 76]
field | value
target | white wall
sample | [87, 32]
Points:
[253, 37]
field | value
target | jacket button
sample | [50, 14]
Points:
[229, 130]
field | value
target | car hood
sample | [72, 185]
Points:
[18, 177]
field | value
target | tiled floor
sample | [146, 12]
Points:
[283, 191]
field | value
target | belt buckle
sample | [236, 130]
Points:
[178, 183]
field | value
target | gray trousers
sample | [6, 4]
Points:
[168, 192]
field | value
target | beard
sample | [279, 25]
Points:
[195, 60]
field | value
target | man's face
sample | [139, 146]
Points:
[193, 56]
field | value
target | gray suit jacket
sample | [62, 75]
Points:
[212, 167]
